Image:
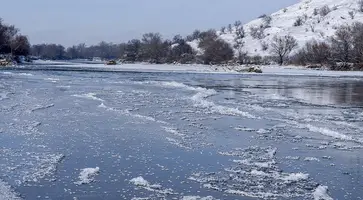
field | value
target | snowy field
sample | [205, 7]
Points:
[188, 136]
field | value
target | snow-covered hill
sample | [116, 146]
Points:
[319, 20]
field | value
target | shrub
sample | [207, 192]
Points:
[360, 5]
[351, 14]
[267, 20]
[257, 32]
[324, 11]
[299, 22]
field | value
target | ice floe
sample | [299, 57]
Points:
[87, 175]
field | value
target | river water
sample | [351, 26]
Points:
[179, 136]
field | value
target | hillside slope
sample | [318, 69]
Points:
[319, 20]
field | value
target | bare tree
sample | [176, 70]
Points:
[299, 21]
[267, 20]
[351, 14]
[20, 46]
[237, 23]
[315, 53]
[223, 29]
[357, 34]
[360, 5]
[230, 28]
[218, 51]
[240, 32]
[152, 47]
[177, 39]
[206, 38]
[281, 47]
[342, 44]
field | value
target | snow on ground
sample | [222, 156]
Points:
[87, 175]
[192, 68]
[314, 26]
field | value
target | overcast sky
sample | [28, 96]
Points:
[69, 22]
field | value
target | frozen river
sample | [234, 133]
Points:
[133, 135]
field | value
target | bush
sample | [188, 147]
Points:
[262, 16]
[217, 51]
[299, 22]
[237, 23]
[314, 53]
[230, 28]
[351, 14]
[223, 29]
[257, 32]
[324, 11]
[267, 20]
[264, 46]
[315, 11]
[360, 5]
[281, 47]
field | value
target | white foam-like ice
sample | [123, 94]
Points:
[311, 159]
[199, 99]
[41, 107]
[87, 175]
[260, 195]
[141, 182]
[329, 133]
[257, 175]
[173, 131]
[321, 193]
[3, 95]
[7, 193]
[177, 143]
[198, 198]
[46, 166]
[91, 96]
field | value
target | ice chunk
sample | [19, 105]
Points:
[321, 193]
[87, 175]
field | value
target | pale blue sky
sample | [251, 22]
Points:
[73, 21]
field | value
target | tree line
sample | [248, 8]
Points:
[150, 48]
[342, 51]
[12, 43]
